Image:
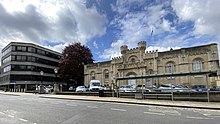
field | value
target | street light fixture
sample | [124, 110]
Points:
[41, 85]
[55, 83]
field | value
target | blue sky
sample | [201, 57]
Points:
[105, 25]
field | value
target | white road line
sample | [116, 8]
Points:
[211, 115]
[122, 110]
[21, 119]
[71, 105]
[11, 116]
[2, 113]
[154, 113]
[198, 118]
[92, 107]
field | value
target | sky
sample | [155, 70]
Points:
[105, 25]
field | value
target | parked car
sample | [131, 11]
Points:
[173, 88]
[72, 88]
[126, 88]
[215, 88]
[199, 88]
[81, 89]
[139, 88]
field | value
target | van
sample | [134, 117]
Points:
[94, 85]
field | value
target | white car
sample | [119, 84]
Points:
[172, 88]
[81, 89]
[126, 88]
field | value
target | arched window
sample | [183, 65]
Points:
[133, 61]
[197, 65]
[150, 71]
[170, 68]
[92, 75]
[106, 74]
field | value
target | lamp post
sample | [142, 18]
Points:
[55, 83]
[41, 85]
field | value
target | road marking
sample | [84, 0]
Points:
[71, 105]
[211, 115]
[11, 116]
[2, 113]
[154, 113]
[21, 119]
[122, 110]
[198, 118]
[92, 107]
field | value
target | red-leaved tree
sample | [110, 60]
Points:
[71, 67]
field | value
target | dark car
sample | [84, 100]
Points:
[199, 88]
[215, 88]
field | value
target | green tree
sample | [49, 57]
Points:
[71, 67]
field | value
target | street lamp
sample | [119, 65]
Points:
[55, 84]
[41, 85]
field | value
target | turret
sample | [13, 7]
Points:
[142, 45]
[124, 49]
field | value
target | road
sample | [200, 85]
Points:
[35, 110]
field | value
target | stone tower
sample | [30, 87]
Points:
[142, 48]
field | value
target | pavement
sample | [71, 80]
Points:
[168, 103]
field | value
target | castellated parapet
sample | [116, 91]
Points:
[124, 49]
[150, 54]
[117, 59]
[142, 45]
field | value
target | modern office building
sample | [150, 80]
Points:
[26, 65]
[139, 62]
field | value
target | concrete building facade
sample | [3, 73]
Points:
[138, 61]
[26, 65]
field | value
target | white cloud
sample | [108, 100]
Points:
[53, 21]
[204, 13]
[135, 26]
[95, 45]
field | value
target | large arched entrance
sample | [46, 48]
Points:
[132, 82]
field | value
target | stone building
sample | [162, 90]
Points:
[138, 61]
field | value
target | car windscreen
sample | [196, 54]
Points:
[96, 84]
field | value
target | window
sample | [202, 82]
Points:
[22, 67]
[7, 68]
[6, 51]
[12, 58]
[18, 58]
[23, 58]
[106, 75]
[170, 68]
[150, 71]
[133, 61]
[34, 50]
[19, 48]
[13, 48]
[6, 60]
[29, 58]
[92, 75]
[197, 65]
[24, 49]
[29, 49]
